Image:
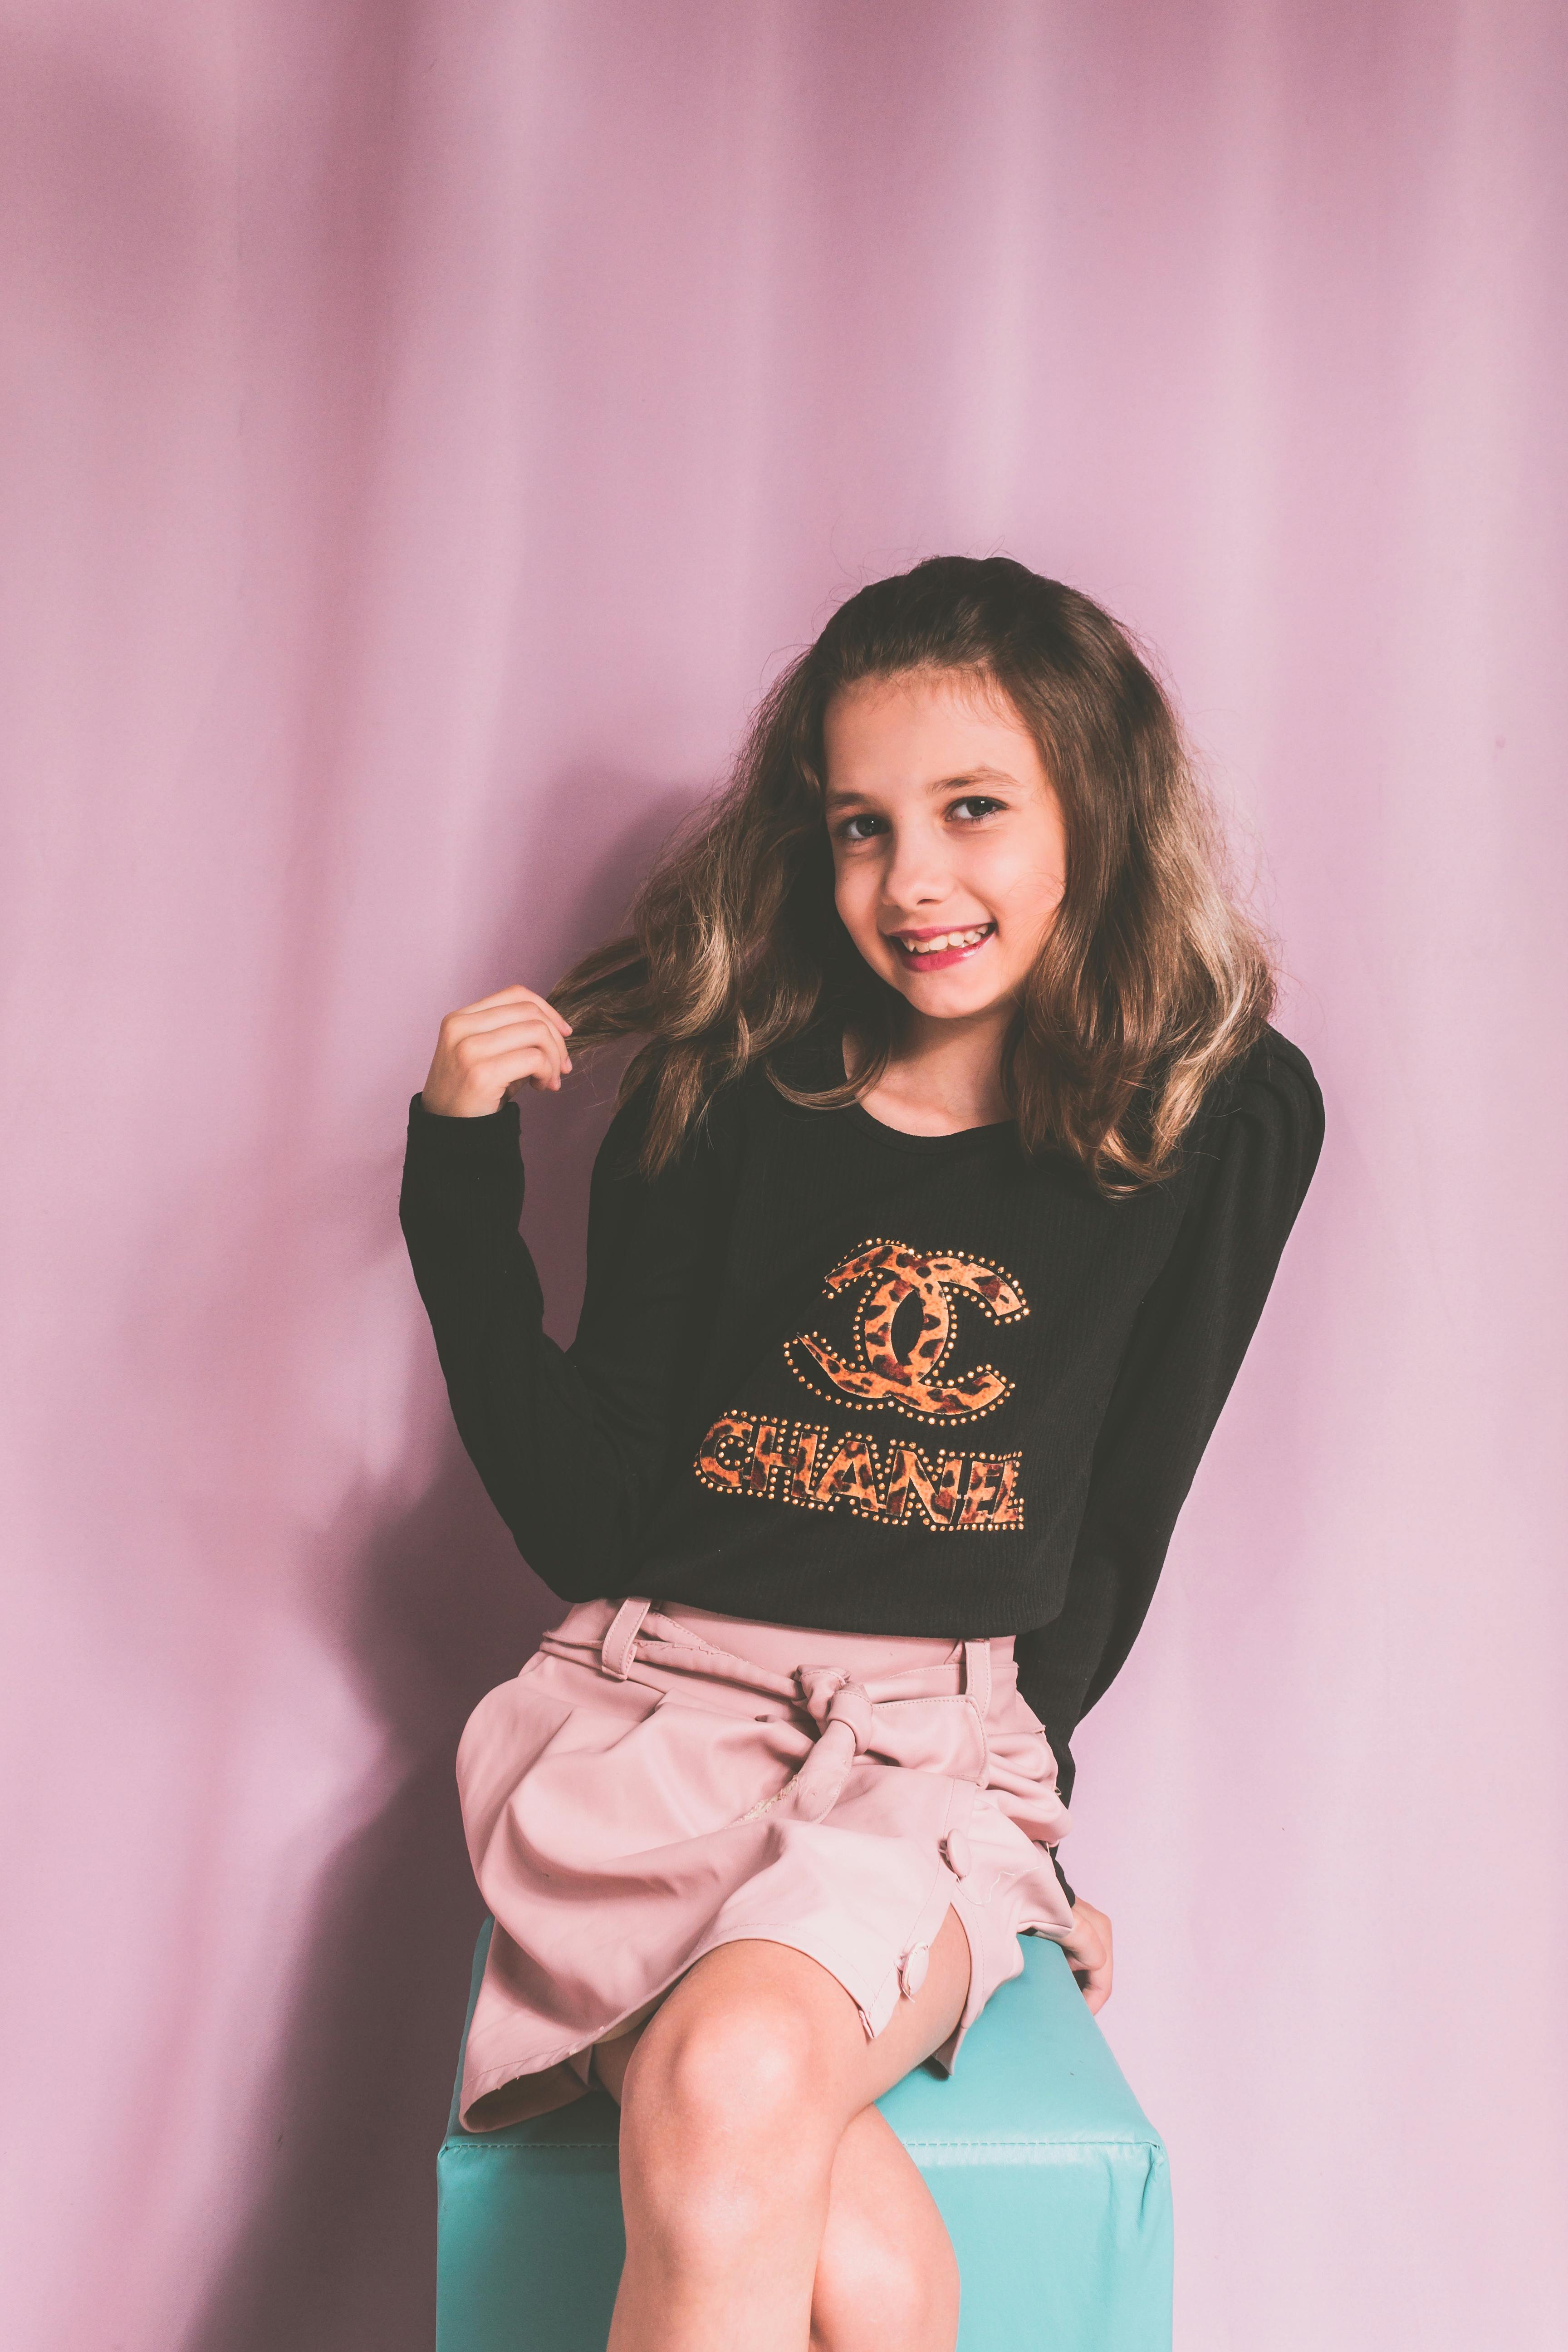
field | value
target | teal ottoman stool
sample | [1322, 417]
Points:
[1052, 2183]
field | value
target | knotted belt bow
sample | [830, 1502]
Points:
[841, 1707]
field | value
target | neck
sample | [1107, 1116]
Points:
[942, 1075]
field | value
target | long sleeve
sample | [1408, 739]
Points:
[1256, 1157]
[571, 1443]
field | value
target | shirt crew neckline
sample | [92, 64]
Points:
[959, 1140]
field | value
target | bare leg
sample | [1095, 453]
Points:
[887, 2278]
[738, 2098]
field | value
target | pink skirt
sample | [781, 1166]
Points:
[659, 1782]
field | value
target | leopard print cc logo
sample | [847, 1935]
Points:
[914, 1381]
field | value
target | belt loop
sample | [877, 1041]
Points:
[977, 1676]
[616, 1649]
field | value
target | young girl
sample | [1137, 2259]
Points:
[930, 1231]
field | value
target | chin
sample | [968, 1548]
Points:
[939, 1003]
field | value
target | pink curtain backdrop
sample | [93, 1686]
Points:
[428, 427]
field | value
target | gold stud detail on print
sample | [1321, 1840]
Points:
[916, 1383]
[820, 1469]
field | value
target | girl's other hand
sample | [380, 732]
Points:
[1088, 1953]
[488, 1050]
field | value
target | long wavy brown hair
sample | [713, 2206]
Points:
[1149, 986]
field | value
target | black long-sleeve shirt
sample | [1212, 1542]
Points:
[830, 1374]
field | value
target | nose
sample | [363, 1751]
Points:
[918, 873]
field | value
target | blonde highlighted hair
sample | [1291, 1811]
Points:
[1151, 985]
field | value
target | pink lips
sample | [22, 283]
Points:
[948, 957]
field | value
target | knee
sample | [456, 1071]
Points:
[718, 2126]
[724, 2072]
[884, 2294]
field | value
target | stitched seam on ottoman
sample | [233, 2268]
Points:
[1146, 2146]
[494, 2145]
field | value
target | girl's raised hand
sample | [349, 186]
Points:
[1088, 1953]
[487, 1051]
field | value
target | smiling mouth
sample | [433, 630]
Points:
[939, 949]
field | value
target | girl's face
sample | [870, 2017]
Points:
[949, 848]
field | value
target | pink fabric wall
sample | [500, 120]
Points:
[428, 424]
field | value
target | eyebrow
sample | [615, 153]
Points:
[835, 797]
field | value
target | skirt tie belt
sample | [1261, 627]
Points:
[842, 1708]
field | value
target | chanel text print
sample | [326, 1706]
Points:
[808, 1463]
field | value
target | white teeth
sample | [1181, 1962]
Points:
[946, 940]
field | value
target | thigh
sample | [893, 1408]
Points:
[758, 1988]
